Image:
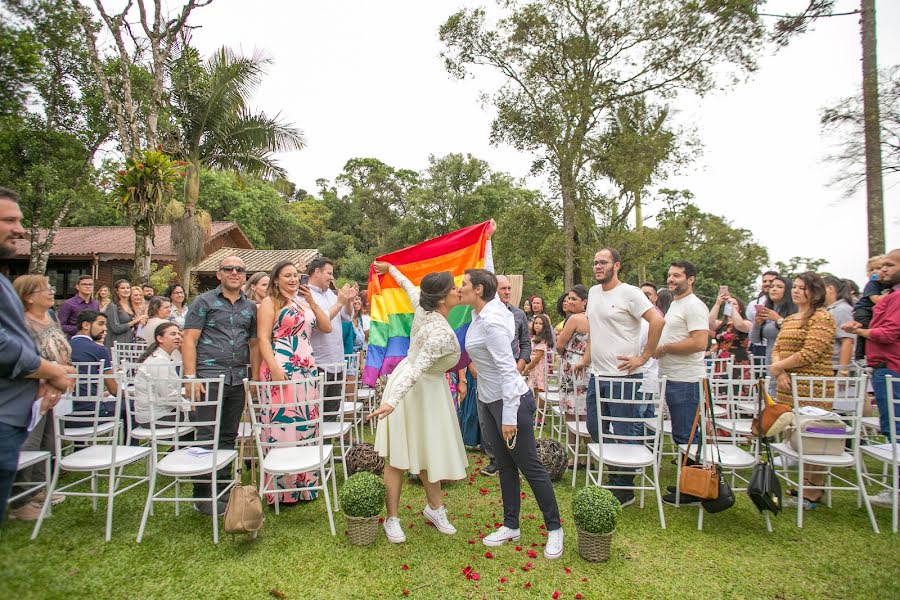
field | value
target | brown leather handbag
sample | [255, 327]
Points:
[698, 480]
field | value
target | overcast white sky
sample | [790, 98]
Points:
[364, 79]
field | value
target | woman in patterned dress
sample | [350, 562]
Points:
[572, 346]
[732, 330]
[284, 322]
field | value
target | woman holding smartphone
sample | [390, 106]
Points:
[732, 330]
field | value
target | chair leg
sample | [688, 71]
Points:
[148, 505]
[110, 499]
[768, 521]
[46, 509]
[800, 485]
[94, 490]
[215, 505]
[659, 504]
[337, 504]
[327, 499]
[700, 519]
[859, 482]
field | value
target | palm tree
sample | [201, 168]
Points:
[214, 128]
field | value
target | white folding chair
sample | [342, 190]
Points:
[353, 406]
[621, 454]
[29, 458]
[98, 430]
[187, 460]
[826, 391]
[888, 453]
[137, 431]
[299, 403]
[718, 368]
[335, 425]
[129, 352]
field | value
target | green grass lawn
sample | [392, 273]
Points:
[836, 554]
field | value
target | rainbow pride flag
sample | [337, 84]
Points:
[391, 311]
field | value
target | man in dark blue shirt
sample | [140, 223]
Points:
[87, 347]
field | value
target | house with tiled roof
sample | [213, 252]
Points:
[107, 253]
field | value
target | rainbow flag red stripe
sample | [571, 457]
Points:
[391, 311]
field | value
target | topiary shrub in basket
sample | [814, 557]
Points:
[361, 498]
[596, 512]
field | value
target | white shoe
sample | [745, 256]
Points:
[884, 498]
[501, 536]
[394, 531]
[438, 518]
[554, 547]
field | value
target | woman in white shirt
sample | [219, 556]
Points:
[508, 410]
[156, 371]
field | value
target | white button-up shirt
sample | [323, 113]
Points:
[328, 348]
[489, 344]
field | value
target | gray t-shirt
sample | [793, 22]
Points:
[842, 313]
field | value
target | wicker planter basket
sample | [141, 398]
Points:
[362, 531]
[594, 547]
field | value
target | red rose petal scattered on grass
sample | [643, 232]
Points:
[406, 592]
[467, 570]
[498, 525]
[468, 515]
[429, 524]
[567, 570]
[405, 567]
[503, 580]
[518, 548]
[530, 517]
[471, 541]
[476, 576]
[526, 569]
[524, 495]
[578, 596]
[532, 554]
[488, 555]
[555, 595]
[408, 507]
[527, 585]
[511, 570]
[481, 535]
[483, 491]
[381, 519]
[529, 565]
[533, 545]
[584, 579]
[542, 526]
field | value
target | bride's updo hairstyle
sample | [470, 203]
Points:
[434, 288]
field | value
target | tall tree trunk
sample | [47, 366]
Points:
[188, 236]
[874, 189]
[639, 227]
[568, 193]
[143, 249]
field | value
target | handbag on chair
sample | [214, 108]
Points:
[244, 511]
[725, 496]
[763, 487]
[698, 480]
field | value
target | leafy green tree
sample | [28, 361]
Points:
[799, 264]
[20, 62]
[568, 63]
[215, 128]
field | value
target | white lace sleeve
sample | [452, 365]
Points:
[411, 290]
[439, 341]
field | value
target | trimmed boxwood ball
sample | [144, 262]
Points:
[595, 510]
[362, 495]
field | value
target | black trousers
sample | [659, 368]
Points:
[486, 443]
[522, 458]
[229, 421]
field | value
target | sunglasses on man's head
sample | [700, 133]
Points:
[229, 269]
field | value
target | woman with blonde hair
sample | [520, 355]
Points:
[257, 287]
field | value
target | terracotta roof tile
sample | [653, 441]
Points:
[257, 260]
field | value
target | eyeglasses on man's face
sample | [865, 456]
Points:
[233, 269]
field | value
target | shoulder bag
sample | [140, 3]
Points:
[244, 511]
[698, 480]
[764, 488]
[725, 497]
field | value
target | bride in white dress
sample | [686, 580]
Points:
[418, 429]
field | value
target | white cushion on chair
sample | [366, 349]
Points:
[333, 429]
[31, 457]
[93, 458]
[162, 433]
[103, 429]
[732, 457]
[579, 428]
[623, 455]
[826, 460]
[183, 462]
[294, 460]
[880, 451]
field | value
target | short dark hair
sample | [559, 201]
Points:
[486, 279]
[773, 273]
[84, 277]
[612, 252]
[318, 262]
[434, 288]
[8, 194]
[147, 284]
[648, 284]
[689, 269]
[88, 316]
[171, 290]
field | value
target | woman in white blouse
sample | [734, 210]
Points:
[509, 410]
[157, 370]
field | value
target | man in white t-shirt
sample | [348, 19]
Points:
[680, 353]
[615, 311]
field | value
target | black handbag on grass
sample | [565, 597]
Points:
[764, 488]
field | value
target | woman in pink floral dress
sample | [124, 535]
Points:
[285, 320]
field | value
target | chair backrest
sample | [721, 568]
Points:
[351, 362]
[735, 395]
[96, 419]
[336, 384]
[719, 368]
[892, 389]
[127, 352]
[205, 408]
[620, 390]
[845, 394]
[298, 405]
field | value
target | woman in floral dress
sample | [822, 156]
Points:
[284, 323]
[571, 343]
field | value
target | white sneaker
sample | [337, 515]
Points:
[501, 536]
[884, 498]
[554, 547]
[394, 531]
[438, 518]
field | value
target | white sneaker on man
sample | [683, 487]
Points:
[501, 536]
[438, 518]
[884, 498]
[554, 547]
[394, 531]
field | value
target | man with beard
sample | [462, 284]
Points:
[87, 347]
[680, 353]
[24, 376]
[615, 311]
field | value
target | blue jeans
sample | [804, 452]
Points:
[682, 398]
[881, 398]
[616, 410]
[11, 438]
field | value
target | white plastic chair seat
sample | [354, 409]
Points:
[295, 460]
[732, 457]
[103, 428]
[720, 411]
[31, 457]
[335, 429]
[579, 428]
[825, 460]
[182, 463]
[556, 409]
[350, 407]
[881, 452]
[365, 393]
[163, 433]
[871, 423]
[738, 426]
[623, 455]
[95, 458]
